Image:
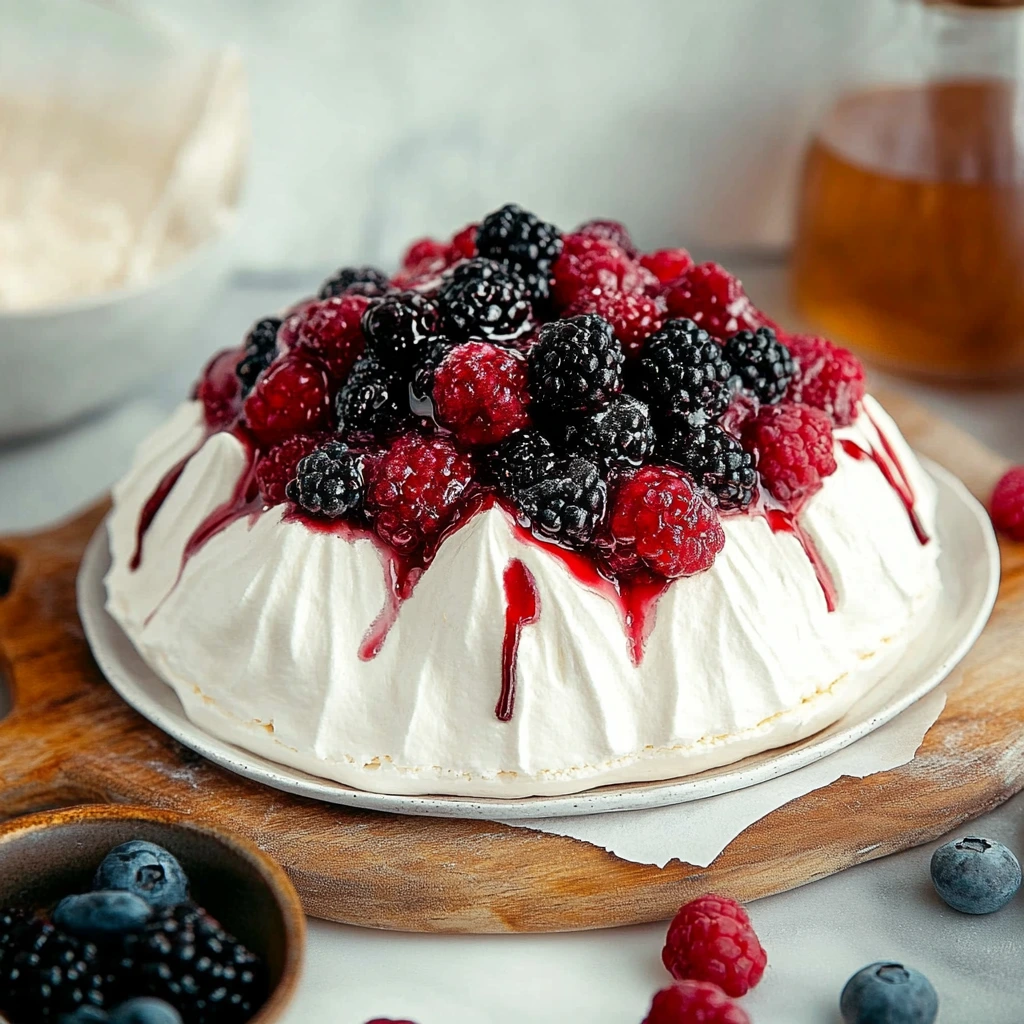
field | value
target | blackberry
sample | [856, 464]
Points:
[763, 363]
[620, 435]
[399, 328]
[576, 365]
[259, 351]
[367, 281]
[328, 482]
[483, 299]
[372, 400]
[186, 958]
[524, 243]
[683, 374]
[567, 504]
[717, 461]
[521, 460]
[421, 388]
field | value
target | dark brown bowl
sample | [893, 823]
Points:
[49, 855]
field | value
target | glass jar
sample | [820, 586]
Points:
[909, 244]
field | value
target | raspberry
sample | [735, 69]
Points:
[463, 244]
[611, 231]
[521, 460]
[220, 390]
[576, 365]
[568, 504]
[422, 251]
[524, 243]
[423, 261]
[658, 516]
[1008, 504]
[480, 393]
[683, 374]
[694, 1002]
[400, 328]
[764, 364]
[667, 265]
[292, 397]
[826, 377]
[260, 347]
[634, 317]
[711, 939]
[276, 469]
[330, 331]
[415, 487]
[710, 296]
[483, 299]
[620, 435]
[328, 482]
[367, 281]
[591, 265]
[373, 400]
[717, 461]
[794, 449]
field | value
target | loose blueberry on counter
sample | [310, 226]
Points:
[145, 869]
[145, 1011]
[101, 914]
[975, 876]
[888, 993]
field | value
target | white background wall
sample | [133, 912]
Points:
[376, 120]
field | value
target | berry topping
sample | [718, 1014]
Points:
[1008, 504]
[463, 244]
[483, 299]
[683, 374]
[794, 449]
[145, 1010]
[220, 391]
[717, 461]
[524, 243]
[888, 993]
[421, 387]
[374, 400]
[293, 396]
[422, 265]
[415, 488]
[480, 393]
[634, 316]
[576, 365]
[591, 265]
[258, 353]
[667, 265]
[521, 460]
[400, 328]
[331, 332]
[367, 281]
[975, 876]
[611, 231]
[764, 364]
[827, 377]
[276, 469]
[694, 1002]
[328, 482]
[659, 519]
[145, 869]
[620, 435]
[711, 939]
[567, 504]
[101, 914]
[710, 296]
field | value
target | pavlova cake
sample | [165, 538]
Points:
[537, 514]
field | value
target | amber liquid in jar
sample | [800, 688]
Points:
[910, 236]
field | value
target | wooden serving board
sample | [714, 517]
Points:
[70, 739]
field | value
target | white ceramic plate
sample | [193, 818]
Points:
[968, 563]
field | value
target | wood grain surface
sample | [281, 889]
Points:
[71, 739]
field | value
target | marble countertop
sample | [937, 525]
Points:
[816, 936]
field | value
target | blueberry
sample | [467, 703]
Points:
[975, 876]
[85, 1015]
[97, 914]
[888, 993]
[145, 1011]
[145, 869]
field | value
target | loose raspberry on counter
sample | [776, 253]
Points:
[795, 450]
[276, 469]
[330, 331]
[613, 231]
[694, 1002]
[710, 296]
[1007, 504]
[659, 516]
[292, 397]
[480, 393]
[633, 315]
[220, 390]
[711, 939]
[589, 264]
[667, 265]
[415, 487]
[827, 377]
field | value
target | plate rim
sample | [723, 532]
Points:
[96, 621]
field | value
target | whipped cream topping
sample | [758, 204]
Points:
[262, 631]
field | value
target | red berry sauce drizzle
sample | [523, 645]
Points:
[522, 608]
